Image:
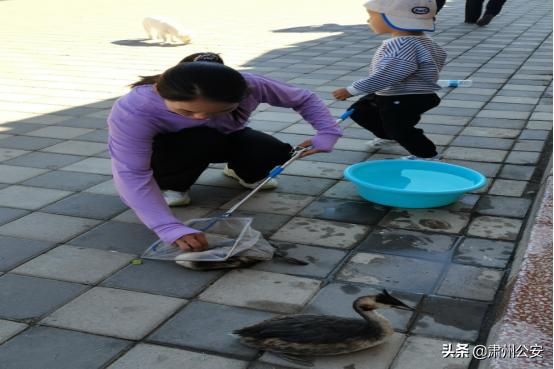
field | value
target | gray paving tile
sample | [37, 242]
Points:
[212, 197]
[83, 122]
[44, 160]
[534, 134]
[303, 185]
[44, 347]
[529, 145]
[481, 252]
[475, 154]
[67, 181]
[15, 251]
[27, 143]
[9, 214]
[159, 357]
[523, 157]
[99, 135]
[30, 198]
[7, 154]
[189, 326]
[380, 357]
[123, 237]
[440, 128]
[75, 147]
[498, 123]
[508, 187]
[8, 329]
[337, 298]
[29, 298]
[115, 313]
[14, 174]
[47, 227]
[409, 243]
[423, 352]
[470, 282]
[455, 319]
[162, 278]
[340, 156]
[503, 206]
[272, 202]
[343, 190]
[483, 142]
[75, 264]
[321, 261]
[316, 169]
[434, 220]
[321, 233]
[394, 272]
[486, 169]
[262, 290]
[519, 172]
[91, 165]
[495, 228]
[345, 211]
[88, 205]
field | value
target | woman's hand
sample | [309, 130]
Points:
[308, 143]
[192, 242]
[341, 94]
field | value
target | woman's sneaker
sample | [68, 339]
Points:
[271, 184]
[437, 157]
[378, 143]
[176, 198]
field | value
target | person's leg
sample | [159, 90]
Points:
[366, 114]
[253, 154]
[474, 8]
[493, 8]
[179, 158]
[400, 114]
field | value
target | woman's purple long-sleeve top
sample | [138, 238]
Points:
[138, 116]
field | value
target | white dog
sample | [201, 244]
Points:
[161, 28]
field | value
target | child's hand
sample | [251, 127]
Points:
[192, 242]
[341, 94]
[308, 152]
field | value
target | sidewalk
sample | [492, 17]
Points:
[69, 297]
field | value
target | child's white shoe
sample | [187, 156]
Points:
[271, 184]
[377, 143]
[176, 198]
[437, 157]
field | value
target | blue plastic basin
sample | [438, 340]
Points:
[413, 183]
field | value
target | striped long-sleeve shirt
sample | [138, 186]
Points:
[403, 65]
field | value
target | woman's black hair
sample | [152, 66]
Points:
[200, 75]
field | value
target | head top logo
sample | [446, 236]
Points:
[421, 10]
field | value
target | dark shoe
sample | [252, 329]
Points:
[470, 21]
[485, 19]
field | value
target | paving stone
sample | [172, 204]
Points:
[30, 198]
[486, 169]
[321, 233]
[27, 143]
[272, 202]
[9, 214]
[266, 223]
[321, 261]
[435, 220]
[162, 278]
[487, 253]
[483, 142]
[7, 154]
[409, 243]
[181, 213]
[343, 190]
[15, 174]
[75, 264]
[455, 319]
[495, 228]
[29, 298]
[439, 128]
[104, 188]
[470, 282]
[423, 352]
[15, 251]
[44, 160]
[83, 148]
[342, 156]
[512, 124]
[145, 356]
[262, 290]
[462, 153]
[534, 134]
[394, 272]
[88, 205]
[98, 135]
[265, 125]
[380, 357]
[91, 165]
[47, 227]
[189, 326]
[67, 181]
[508, 187]
[503, 206]
[123, 237]
[115, 313]
[303, 185]
[466, 203]
[529, 145]
[44, 347]
[316, 169]
[59, 132]
[523, 157]
[337, 298]
[519, 172]
[278, 117]
[212, 197]
[8, 329]
[345, 211]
